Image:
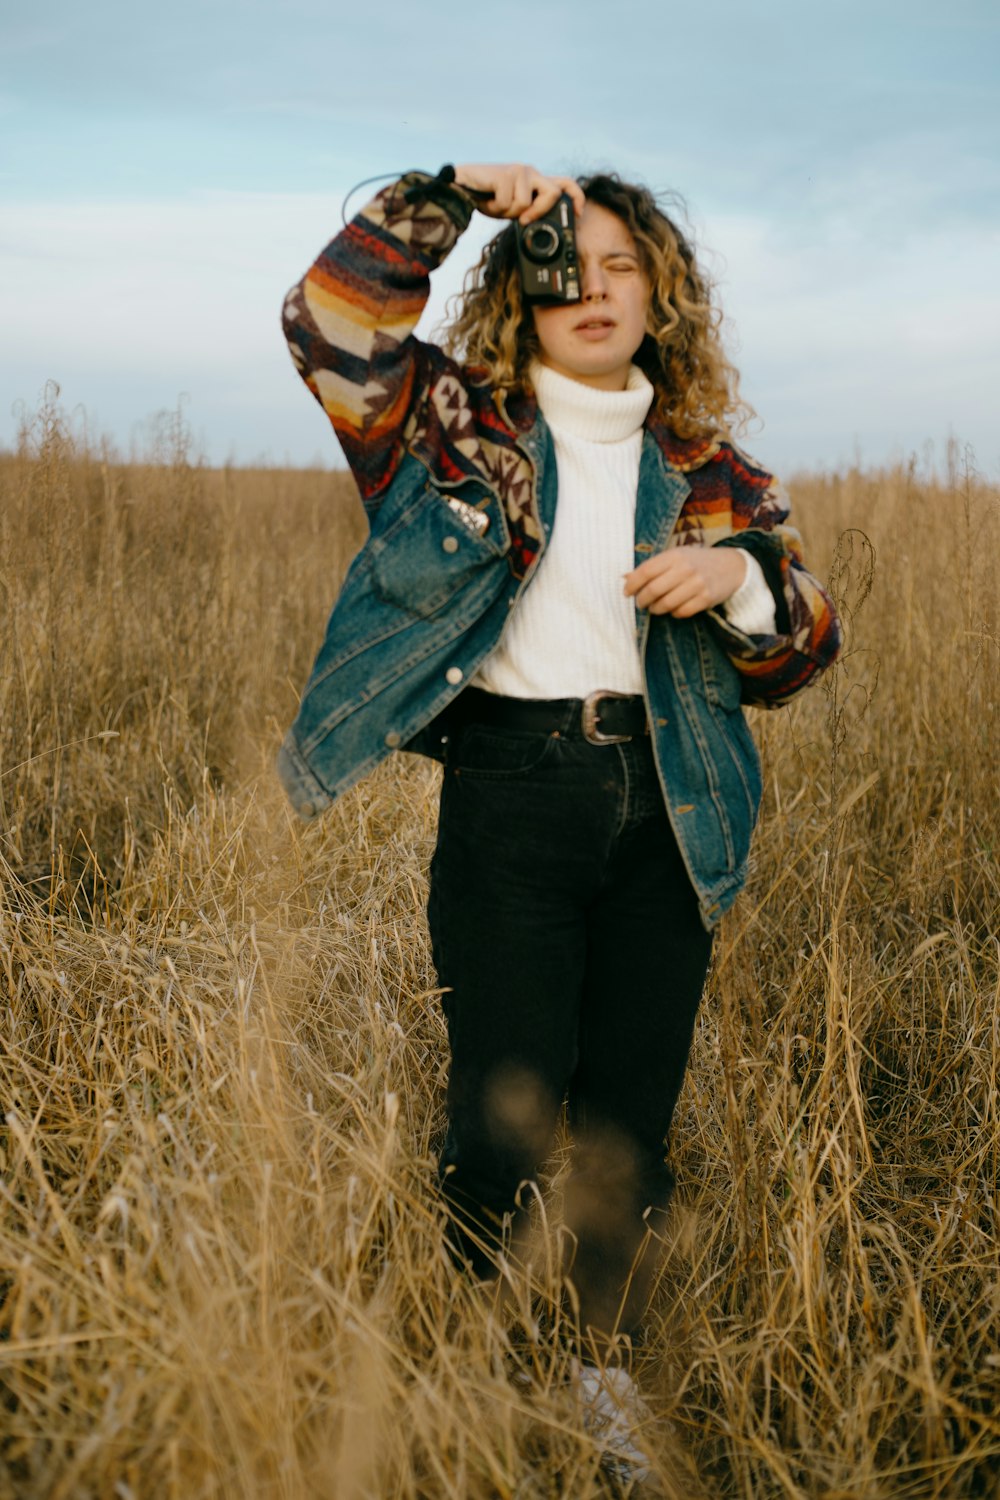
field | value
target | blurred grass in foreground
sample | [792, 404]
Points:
[222, 1059]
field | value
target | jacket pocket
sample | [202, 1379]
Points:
[717, 679]
[427, 554]
[737, 762]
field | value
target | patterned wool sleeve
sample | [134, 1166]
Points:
[808, 637]
[349, 322]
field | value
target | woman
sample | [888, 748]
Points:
[572, 582]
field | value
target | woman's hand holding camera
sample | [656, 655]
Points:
[518, 191]
[683, 581]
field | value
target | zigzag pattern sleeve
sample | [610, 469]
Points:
[349, 322]
[808, 636]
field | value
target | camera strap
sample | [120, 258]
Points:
[366, 182]
[445, 177]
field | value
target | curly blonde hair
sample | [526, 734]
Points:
[697, 388]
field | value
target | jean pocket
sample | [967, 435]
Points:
[491, 754]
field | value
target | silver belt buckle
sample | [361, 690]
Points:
[589, 718]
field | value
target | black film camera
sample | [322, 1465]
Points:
[546, 255]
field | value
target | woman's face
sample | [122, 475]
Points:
[593, 340]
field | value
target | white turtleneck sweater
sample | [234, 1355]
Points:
[574, 630]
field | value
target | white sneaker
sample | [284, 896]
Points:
[612, 1410]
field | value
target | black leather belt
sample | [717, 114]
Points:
[602, 718]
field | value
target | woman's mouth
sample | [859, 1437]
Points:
[594, 328]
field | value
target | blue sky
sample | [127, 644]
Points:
[166, 174]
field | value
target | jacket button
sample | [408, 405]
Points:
[393, 739]
[450, 544]
[454, 675]
[306, 809]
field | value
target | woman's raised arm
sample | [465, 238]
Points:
[349, 322]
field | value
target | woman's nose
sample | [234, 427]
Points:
[594, 288]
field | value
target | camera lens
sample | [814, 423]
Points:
[540, 241]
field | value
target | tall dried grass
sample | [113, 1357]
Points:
[222, 1057]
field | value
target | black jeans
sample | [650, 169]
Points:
[566, 933]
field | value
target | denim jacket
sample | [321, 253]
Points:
[461, 490]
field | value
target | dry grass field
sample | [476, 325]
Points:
[221, 1054]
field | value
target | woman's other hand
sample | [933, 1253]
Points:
[518, 191]
[683, 581]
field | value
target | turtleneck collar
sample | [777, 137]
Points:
[584, 411]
